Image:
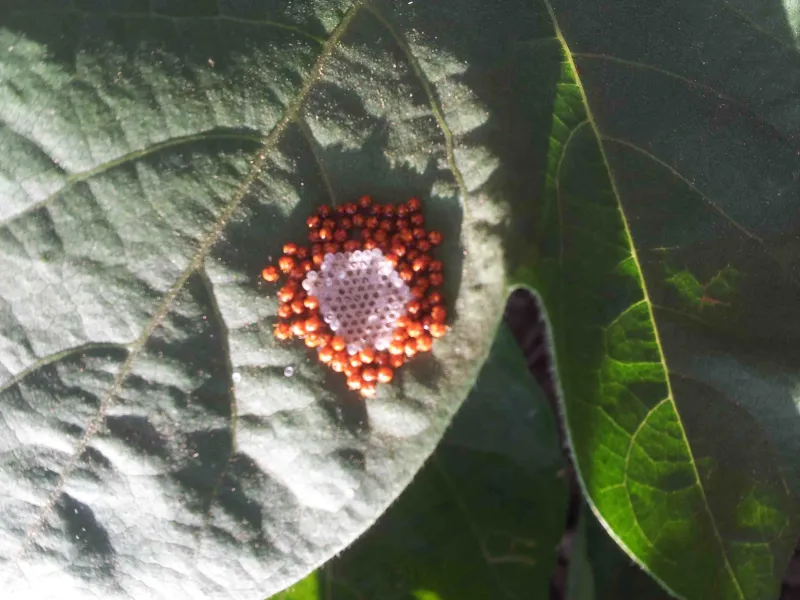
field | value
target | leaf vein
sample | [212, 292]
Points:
[76, 178]
[312, 144]
[621, 315]
[691, 185]
[435, 104]
[224, 333]
[670, 397]
[688, 81]
[138, 345]
[559, 203]
[55, 357]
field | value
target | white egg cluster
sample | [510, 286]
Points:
[360, 296]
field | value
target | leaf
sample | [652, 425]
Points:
[305, 589]
[154, 158]
[667, 260]
[483, 517]
[600, 570]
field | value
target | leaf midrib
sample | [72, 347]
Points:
[634, 255]
[268, 142]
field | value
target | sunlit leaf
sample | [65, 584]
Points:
[154, 159]
[483, 517]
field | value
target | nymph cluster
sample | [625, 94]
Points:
[365, 292]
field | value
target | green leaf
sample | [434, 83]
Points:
[483, 517]
[305, 589]
[154, 157]
[667, 260]
[600, 570]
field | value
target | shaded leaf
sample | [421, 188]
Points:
[667, 264]
[600, 570]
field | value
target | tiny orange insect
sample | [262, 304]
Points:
[385, 374]
[286, 263]
[270, 274]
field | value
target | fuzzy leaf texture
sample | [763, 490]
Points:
[155, 155]
[482, 519]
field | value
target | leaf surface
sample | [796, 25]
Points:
[156, 442]
[154, 158]
[483, 517]
[667, 260]
[600, 570]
